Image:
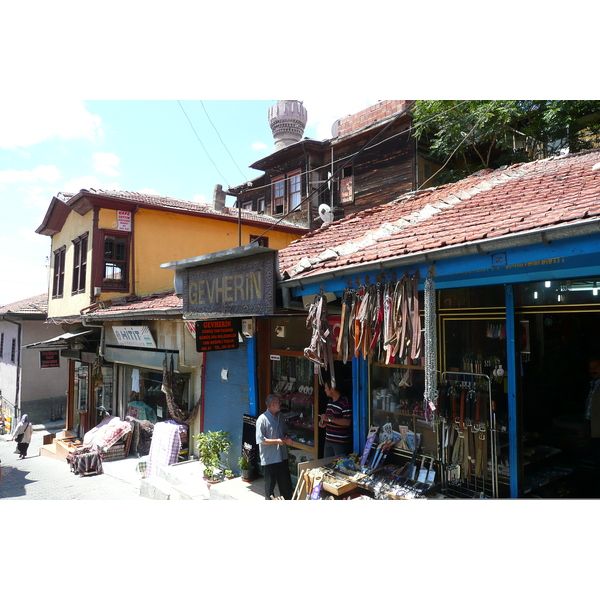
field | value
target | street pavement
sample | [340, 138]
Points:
[41, 478]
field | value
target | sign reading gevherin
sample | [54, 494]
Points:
[244, 287]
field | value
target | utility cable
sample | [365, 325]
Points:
[205, 150]
[345, 162]
[222, 142]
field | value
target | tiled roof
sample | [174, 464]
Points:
[153, 304]
[489, 204]
[152, 200]
[36, 305]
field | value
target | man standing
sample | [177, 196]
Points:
[272, 437]
[337, 421]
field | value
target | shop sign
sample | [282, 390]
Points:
[123, 220]
[140, 337]
[49, 359]
[244, 287]
[217, 334]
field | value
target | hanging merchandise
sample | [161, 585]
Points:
[431, 395]
[320, 350]
[466, 435]
[382, 322]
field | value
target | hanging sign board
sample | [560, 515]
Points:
[123, 220]
[49, 359]
[217, 334]
[140, 337]
[241, 287]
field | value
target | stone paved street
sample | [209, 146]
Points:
[41, 478]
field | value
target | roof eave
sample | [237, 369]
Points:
[544, 236]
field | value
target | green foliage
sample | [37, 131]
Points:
[210, 445]
[469, 135]
[245, 460]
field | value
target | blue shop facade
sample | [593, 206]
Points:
[516, 318]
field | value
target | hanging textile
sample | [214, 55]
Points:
[97, 372]
[382, 322]
[165, 446]
[167, 388]
[320, 350]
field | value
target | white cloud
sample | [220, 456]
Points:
[106, 163]
[24, 122]
[48, 173]
[322, 113]
[36, 196]
[259, 146]
[87, 182]
[149, 191]
[200, 198]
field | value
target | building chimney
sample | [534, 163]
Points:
[219, 196]
[287, 119]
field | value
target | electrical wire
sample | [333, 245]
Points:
[205, 150]
[345, 162]
[406, 131]
[222, 142]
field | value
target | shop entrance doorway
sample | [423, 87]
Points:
[553, 353]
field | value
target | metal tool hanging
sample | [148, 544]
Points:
[467, 434]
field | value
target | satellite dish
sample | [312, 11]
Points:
[325, 213]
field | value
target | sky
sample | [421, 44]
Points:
[173, 99]
[176, 148]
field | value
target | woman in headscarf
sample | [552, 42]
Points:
[22, 436]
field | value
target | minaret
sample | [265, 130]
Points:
[287, 119]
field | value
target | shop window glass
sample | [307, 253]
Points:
[104, 392]
[558, 292]
[396, 402]
[81, 386]
[490, 296]
[293, 379]
[290, 333]
[143, 397]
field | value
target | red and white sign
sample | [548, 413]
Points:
[123, 220]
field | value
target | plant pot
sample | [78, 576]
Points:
[247, 474]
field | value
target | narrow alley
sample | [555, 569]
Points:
[41, 478]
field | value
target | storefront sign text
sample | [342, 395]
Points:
[244, 287]
[49, 359]
[140, 337]
[218, 334]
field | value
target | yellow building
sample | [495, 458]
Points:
[121, 315]
[111, 244]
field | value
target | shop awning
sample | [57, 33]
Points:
[60, 341]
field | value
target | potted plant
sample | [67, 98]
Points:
[210, 445]
[246, 463]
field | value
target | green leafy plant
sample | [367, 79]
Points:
[245, 460]
[210, 445]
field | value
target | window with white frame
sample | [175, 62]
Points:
[294, 186]
[80, 248]
[287, 192]
[279, 195]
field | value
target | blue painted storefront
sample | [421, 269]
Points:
[226, 401]
[567, 258]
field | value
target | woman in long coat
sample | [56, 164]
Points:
[24, 429]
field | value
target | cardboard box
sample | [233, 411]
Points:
[338, 488]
